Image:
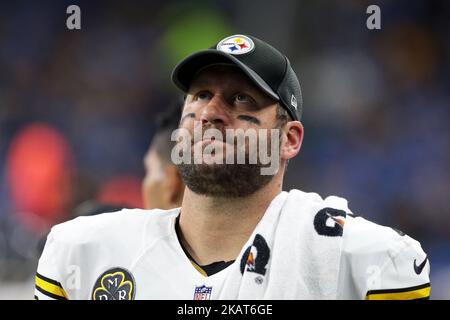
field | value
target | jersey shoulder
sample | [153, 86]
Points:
[377, 262]
[362, 235]
[92, 245]
[113, 227]
[382, 262]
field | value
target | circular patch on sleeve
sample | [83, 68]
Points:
[114, 284]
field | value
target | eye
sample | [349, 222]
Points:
[203, 95]
[242, 98]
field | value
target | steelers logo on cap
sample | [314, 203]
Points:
[237, 44]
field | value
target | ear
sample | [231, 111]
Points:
[174, 186]
[292, 139]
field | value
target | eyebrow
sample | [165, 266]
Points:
[190, 115]
[249, 119]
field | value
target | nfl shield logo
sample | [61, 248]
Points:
[202, 293]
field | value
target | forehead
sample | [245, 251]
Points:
[226, 76]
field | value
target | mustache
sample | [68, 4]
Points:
[205, 128]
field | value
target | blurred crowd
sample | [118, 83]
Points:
[77, 109]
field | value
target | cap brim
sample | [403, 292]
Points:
[185, 71]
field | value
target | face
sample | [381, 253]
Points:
[225, 96]
[153, 188]
[222, 97]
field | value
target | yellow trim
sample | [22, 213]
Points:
[409, 295]
[199, 269]
[50, 287]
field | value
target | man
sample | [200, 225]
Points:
[162, 187]
[237, 235]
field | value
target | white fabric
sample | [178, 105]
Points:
[303, 263]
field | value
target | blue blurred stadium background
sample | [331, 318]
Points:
[77, 109]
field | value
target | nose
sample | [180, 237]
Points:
[214, 112]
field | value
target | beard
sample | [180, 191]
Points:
[224, 180]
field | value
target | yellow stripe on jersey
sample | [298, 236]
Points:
[199, 269]
[50, 287]
[411, 293]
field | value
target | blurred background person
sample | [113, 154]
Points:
[162, 187]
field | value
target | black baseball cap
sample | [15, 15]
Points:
[268, 68]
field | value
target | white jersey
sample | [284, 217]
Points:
[136, 254]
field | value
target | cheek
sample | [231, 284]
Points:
[194, 108]
[156, 176]
[147, 186]
[153, 191]
[189, 107]
[188, 124]
[151, 196]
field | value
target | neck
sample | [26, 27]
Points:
[215, 229]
